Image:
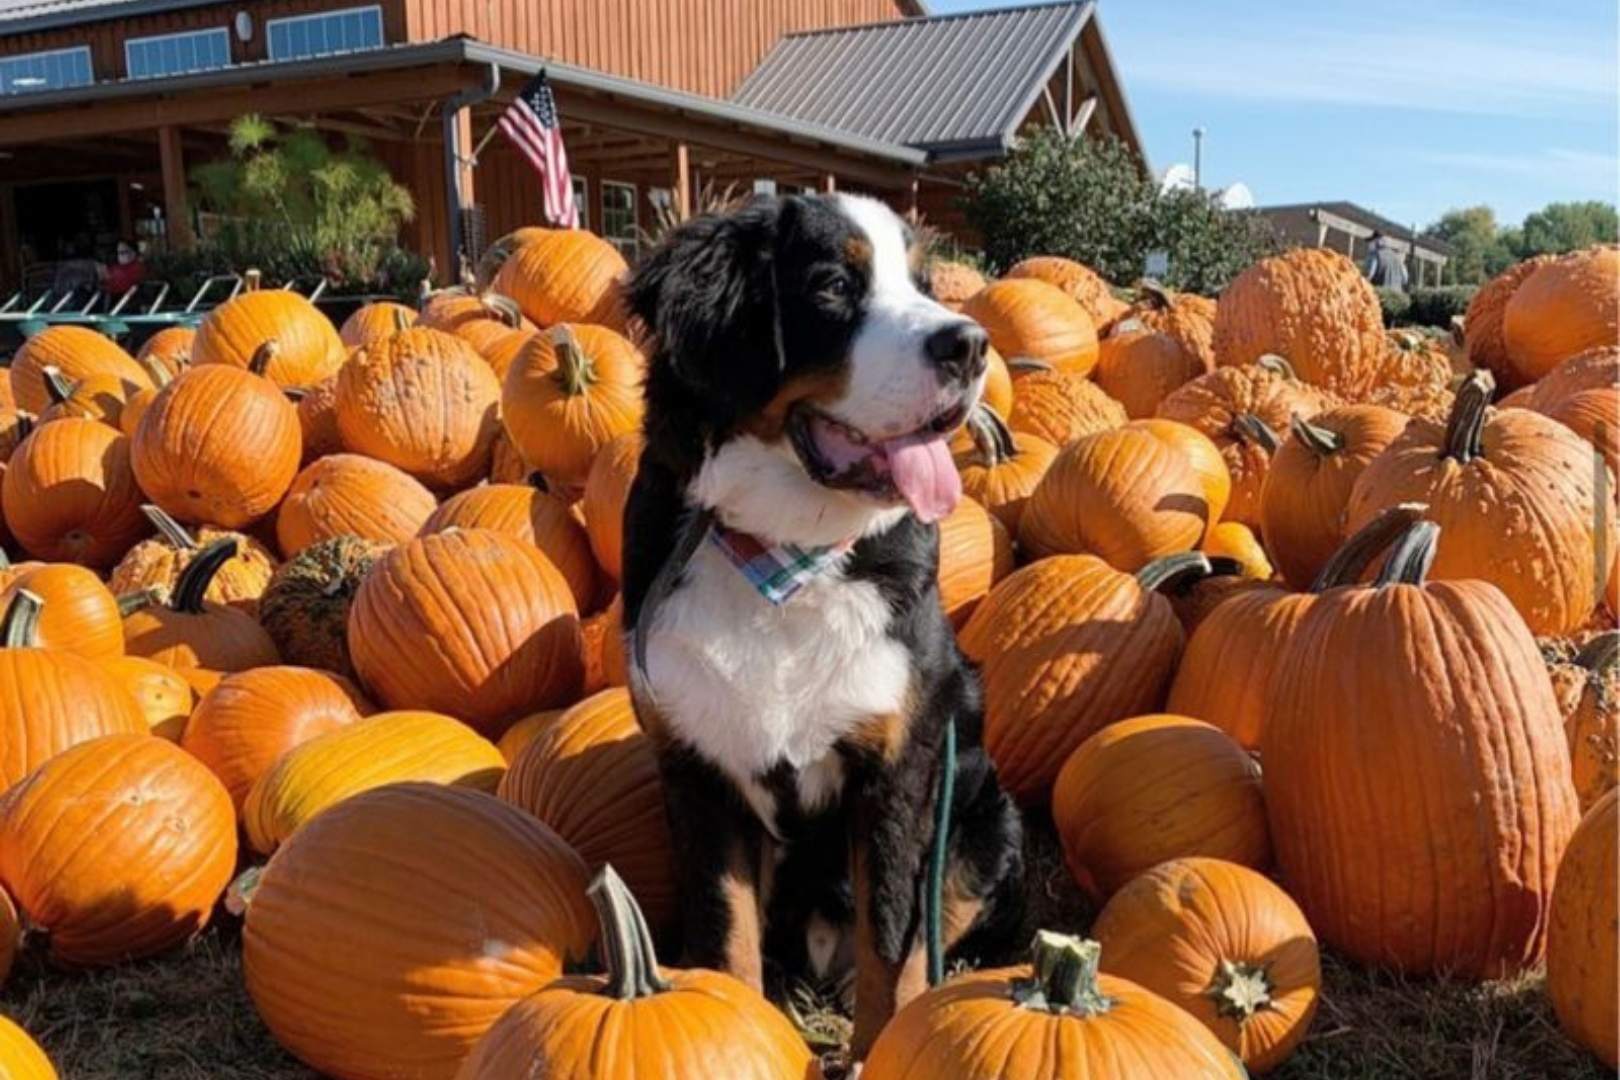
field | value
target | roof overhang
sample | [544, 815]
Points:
[94, 13]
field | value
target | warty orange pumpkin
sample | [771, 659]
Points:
[1594, 415]
[1225, 944]
[1029, 319]
[470, 622]
[1482, 325]
[526, 512]
[317, 419]
[951, 283]
[563, 276]
[80, 614]
[1137, 367]
[1083, 285]
[69, 493]
[1586, 682]
[351, 495]
[76, 351]
[305, 608]
[1562, 308]
[1582, 977]
[184, 630]
[1061, 407]
[1186, 317]
[607, 489]
[306, 349]
[1003, 468]
[492, 903]
[158, 561]
[1594, 369]
[117, 848]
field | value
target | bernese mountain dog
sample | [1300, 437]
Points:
[789, 655]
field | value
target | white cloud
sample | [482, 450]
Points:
[1577, 168]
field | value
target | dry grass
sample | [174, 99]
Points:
[187, 1016]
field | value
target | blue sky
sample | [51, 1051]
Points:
[1409, 108]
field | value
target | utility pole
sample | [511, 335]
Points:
[1198, 159]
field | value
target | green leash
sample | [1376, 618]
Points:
[936, 857]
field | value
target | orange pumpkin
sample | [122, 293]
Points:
[1562, 308]
[69, 493]
[1187, 318]
[350, 495]
[460, 873]
[317, 419]
[502, 350]
[1084, 286]
[1594, 369]
[77, 352]
[1152, 788]
[162, 694]
[568, 393]
[607, 489]
[998, 384]
[951, 283]
[1137, 367]
[505, 464]
[1002, 469]
[201, 469]
[1201, 453]
[1028, 319]
[975, 552]
[187, 631]
[522, 733]
[1054, 1018]
[58, 699]
[1482, 325]
[20, 1055]
[1226, 945]
[168, 350]
[372, 322]
[1061, 407]
[1587, 685]
[250, 718]
[603, 635]
[157, 563]
[1065, 646]
[307, 347]
[15, 426]
[565, 276]
[1594, 415]
[644, 1020]
[1582, 977]
[117, 848]
[1122, 495]
[1230, 540]
[470, 622]
[483, 320]
[1312, 307]
[99, 396]
[1308, 484]
[422, 400]
[80, 614]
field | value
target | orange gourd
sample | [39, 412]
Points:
[157, 562]
[1029, 319]
[372, 322]
[117, 848]
[951, 283]
[1061, 407]
[350, 495]
[317, 420]
[1482, 325]
[1582, 977]
[306, 349]
[168, 350]
[975, 552]
[1563, 308]
[162, 694]
[563, 276]
[530, 514]
[184, 630]
[1137, 367]
[607, 489]
[20, 1056]
[80, 613]
[1003, 468]
[567, 394]
[1187, 318]
[1084, 286]
[77, 352]
[70, 495]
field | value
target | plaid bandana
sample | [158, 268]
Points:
[776, 573]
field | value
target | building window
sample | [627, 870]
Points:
[177, 54]
[582, 202]
[764, 186]
[619, 216]
[330, 32]
[52, 70]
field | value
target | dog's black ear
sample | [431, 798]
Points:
[708, 295]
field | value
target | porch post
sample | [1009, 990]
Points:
[829, 183]
[177, 218]
[681, 183]
[911, 197]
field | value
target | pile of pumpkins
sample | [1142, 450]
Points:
[320, 624]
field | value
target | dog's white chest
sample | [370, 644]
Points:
[751, 684]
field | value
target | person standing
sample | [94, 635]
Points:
[127, 272]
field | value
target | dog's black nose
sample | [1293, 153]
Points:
[958, 349]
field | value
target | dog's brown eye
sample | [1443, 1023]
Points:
[835, 287]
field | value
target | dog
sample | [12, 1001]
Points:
[790, 659]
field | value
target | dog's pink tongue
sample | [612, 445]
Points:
[922, 470]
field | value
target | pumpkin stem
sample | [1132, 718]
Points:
[1026, 364]
[1241, 989]
[1277, 365]
[194, 580]
[574, 369]
[295, 394]
[24, 425]
[1251, 428]
[1347, 564]
[503, 308]
[1465, 428]
[627, 946]
[991, 436]
[19, 627]
[537, 480]
[1128, 325]
[402, 321]
[240, 894]
[171, 530]
[130, 603]
[58, 387]
[262, 356]
[1410, 557]
[1064, 978]
[1154, 293]
[1319, 440]
[1601, 653]
[251, 279]
[490, 263]
[1173, 570]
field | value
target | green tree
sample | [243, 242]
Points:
[1561, 227]
[1472, 233]
[1090, 200]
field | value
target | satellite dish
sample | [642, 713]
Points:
[1178, 177]
[1237, 197]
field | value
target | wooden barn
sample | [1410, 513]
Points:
[106, 104]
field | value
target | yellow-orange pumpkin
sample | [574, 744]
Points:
[567, 394]
[1137, 367]
[607, 489]
[20, 1055]
[162, 694]
[526, 513]
[77, 352]
[374, 321]
[565, 276]
[1083, 285]
[307, 346]
[80, 614]
[1562, 308]
[1582, 977]
[975, 552]
[1003, 468]
[69, 493]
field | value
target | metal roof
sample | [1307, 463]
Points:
[25, 16]
[942, 83]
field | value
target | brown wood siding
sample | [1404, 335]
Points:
[106, 39]
[705, 47]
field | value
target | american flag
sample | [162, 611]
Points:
[531, 123]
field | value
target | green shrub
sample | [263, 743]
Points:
[1395, 304]
[1436, 307]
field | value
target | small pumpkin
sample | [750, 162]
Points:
[306, 349]
[526, 512]
[76, 351]
[607, 489]
[484, 320]
[1084, 286]
[305, 607]
[1061, 407]
[1003, 468]
[1137, 367]
[386, 748]
[1225, 944]
[168, 350]
[117, 848]
[162, 694]
[185, 630]
[80, 614]
[351, 495]
[1235, 541]
[563, 276]
[1587, 684]
[1152, 788]
[372, 322]
[69, 494]
[952, 283]
[157, 562]
[1029, 319]
[1187, 318]
[567, 394]
[99, 396]
[1563, 308]
[1582, 978]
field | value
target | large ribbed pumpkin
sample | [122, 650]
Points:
[422, 400]
[1201, 453]
[1562, 308]
[1482, 325]
[470, 622]
[386, 748]
[78, 352]
[1065, 646]
[117, 848]
[1054, 1018]
[1137, 367]
[1582, 950]
[70, 495]
[1123, 495]
[607, 489]
[525, 512]
[638, 1019]
[307, 346]
[975, 552]
[1594, 369]
[1003, 468]
[251, 718]
[158, 561]
[55, 700]
[305, 608]
[1417, 778]
[592, 775]
[1308, 485]
[1594, 415]
[351, 495]
[220, 445]
[393, 930]
[1061, 407]
[1083, 284]
[1152, 788]
[1516, 497]
[565, 276]
[20, 1056]
[1312, 307]
[1028, 319]
[1225, 944]
[567, 394]
[373, 322]
[1226, 669]
[184, 630]
[79, 614]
